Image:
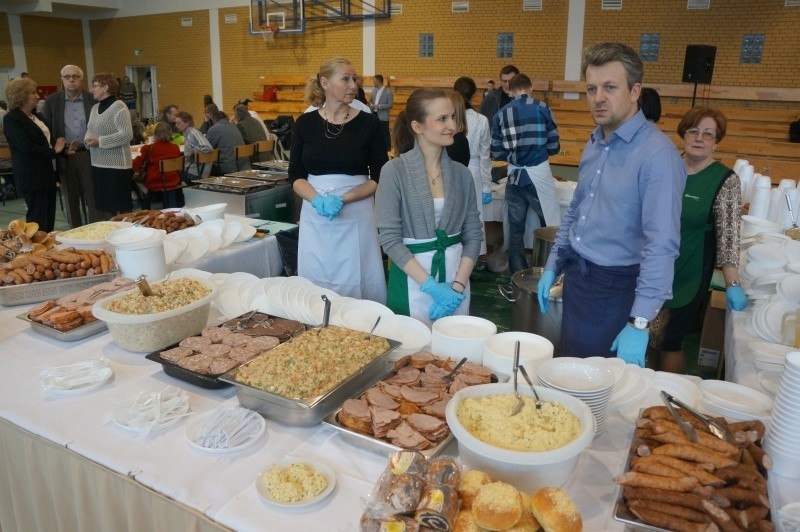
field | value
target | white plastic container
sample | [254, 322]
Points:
[145, 333]
[73, 239]
[527, 470]
[140, 251]
[498, 353]
[461, 336]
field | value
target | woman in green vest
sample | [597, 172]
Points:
[712, 204]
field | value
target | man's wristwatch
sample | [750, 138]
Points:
[639, 323]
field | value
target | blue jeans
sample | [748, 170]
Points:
[517, 200]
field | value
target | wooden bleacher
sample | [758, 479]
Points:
[758, 118]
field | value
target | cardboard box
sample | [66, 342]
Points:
[712, 338]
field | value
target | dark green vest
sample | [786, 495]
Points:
[698, 200]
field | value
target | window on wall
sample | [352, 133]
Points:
[505, 45]
[752, 48]
[426, 44]
[649, 45]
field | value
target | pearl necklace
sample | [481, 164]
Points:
[333, 130]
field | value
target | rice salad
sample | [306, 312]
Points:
[167, 295]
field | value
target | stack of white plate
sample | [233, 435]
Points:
[592, 381]
[782, 441]
[769, 356]
[735, 401]
[767, 319]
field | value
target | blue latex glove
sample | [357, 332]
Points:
[487, 198]
[546, 282]
[332, 205]
[736, 298]
[442, 294]
[319, 204]
[631, 345]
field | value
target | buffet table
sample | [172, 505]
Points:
[65, 466]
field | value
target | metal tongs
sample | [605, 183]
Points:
[716, 428]
[326, 313]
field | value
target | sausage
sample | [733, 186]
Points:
[645, 480]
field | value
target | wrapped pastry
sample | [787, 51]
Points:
[404, 492]
[438, 508]
[393, 523]
[411, 462]
[443, 471]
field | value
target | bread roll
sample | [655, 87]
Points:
[471, 482]
[526, 523]
[465, 522]
[555, 511]
[497, 506]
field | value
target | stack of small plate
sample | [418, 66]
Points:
[767, 319]
[592, 381]
[734, 401]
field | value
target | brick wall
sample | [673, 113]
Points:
[180, 54]
[245, 57]
[466, 43]
[723, 26]
[42, 34]
[6, 52]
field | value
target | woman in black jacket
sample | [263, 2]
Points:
[32, 156]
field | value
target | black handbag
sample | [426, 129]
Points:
[140, 175]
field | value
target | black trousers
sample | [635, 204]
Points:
[41, 208]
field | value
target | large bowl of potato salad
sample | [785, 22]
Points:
[177, 309]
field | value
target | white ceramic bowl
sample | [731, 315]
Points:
[498, 353]
[461, 336]
[144, 333]
[215, 211]
[100, 230]
[527, 470]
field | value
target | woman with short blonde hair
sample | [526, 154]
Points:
[32, 156]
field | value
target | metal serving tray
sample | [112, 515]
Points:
[621, 512]
[276, 164]
[24, 294]
[78, 333]
[260, 175]
[233, 182]
[198, 379]
[310, 411]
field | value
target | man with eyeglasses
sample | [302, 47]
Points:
[66, 113]
[620, 237]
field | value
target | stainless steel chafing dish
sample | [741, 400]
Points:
[310, 411]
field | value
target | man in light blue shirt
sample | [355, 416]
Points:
[620, 236]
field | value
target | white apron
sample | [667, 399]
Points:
[475, 168]
[419, 303]
[342, 254]
[542, 178]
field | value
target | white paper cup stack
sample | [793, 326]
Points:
[787, 183]
[738, 165]
[592, 381]
[782, 441]
[777, 206]
[759, 203]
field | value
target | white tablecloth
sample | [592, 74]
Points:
[259, 256]
[222, 486]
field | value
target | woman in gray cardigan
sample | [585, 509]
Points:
[427, 213]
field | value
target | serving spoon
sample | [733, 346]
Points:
[520, 403]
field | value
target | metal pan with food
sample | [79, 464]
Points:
[303, 380]
[70, 335]
[200, 359]
[672, 483]
[405, 409]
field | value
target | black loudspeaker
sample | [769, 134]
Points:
[698, 66]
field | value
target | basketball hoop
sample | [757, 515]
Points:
[269, 31]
